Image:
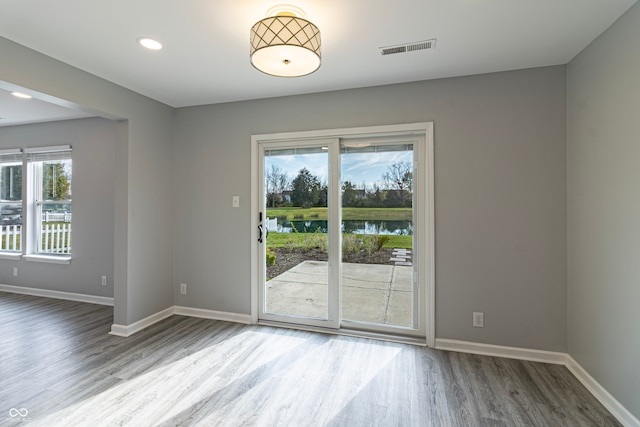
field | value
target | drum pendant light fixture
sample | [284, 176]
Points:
[285, 44]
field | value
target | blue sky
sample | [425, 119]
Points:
[356, 167]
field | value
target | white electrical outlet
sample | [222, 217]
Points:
[183, 288]
[235, 202]
[15, 271]
[478, 320]
[104, 280]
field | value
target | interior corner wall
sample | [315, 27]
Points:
[500, 195]
[603, 87]
[93, 204]
[143, 214]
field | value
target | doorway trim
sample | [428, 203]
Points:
[427, 261]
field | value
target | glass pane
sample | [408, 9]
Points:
[377, 234]
[296, 217]
[11, 182]
[55, 231]
[55, 211]
[56, 180]
[11, 206]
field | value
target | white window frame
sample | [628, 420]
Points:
[32, 202]
[9, 157]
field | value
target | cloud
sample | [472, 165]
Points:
[356, 167]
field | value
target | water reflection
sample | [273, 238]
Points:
[399, 228]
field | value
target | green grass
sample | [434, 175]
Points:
[303, 240]
[361, 214]
[394, 241]
[9, 246]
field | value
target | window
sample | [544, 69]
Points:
[11, 200]
[49, 199]
[35, 203]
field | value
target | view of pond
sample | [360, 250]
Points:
[400, 228]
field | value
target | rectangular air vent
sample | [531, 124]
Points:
[408, 47]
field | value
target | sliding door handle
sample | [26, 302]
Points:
[260, 229]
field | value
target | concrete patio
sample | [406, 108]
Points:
[370, 292]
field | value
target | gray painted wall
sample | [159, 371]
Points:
[604, 209]
[502, 185]
[500, 194]
[143, 259]
[93, 142]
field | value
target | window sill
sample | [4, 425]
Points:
[11, 255]
[48, 259]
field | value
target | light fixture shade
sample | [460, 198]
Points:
[285, 46]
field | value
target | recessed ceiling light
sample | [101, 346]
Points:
[150, 43]
[21, 95]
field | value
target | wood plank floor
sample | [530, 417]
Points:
[58, 362]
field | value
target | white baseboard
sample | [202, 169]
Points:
[212, 314]
[119, 330]
[556, 358]
[128, 330]
[608, 401]
[70, 296]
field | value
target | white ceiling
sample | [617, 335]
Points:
[15, 111]
[206, 43]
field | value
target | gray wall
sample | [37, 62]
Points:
[604, 209]
[512, 199]
[143, 214]
[93, 142]
[500, 195]
[500, 191]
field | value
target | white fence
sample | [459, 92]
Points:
[55, 238]
[11, 238]
[56, 216]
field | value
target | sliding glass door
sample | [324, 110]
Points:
[336, 227]
[377, 278]
[299, 235]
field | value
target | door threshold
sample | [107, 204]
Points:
[402, 339]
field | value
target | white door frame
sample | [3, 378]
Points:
[333, 233]
[425, 239]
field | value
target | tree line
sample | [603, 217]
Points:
[306, 190]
